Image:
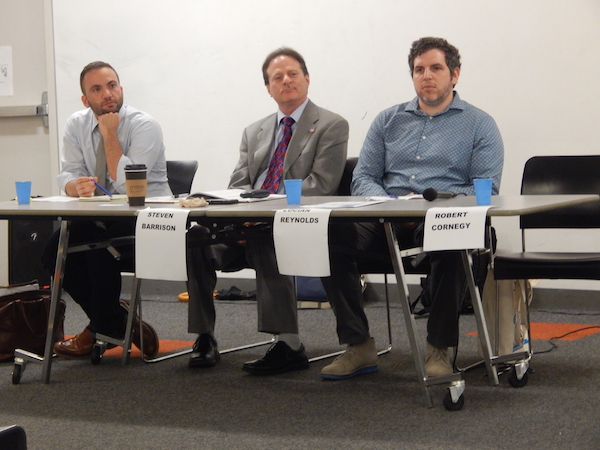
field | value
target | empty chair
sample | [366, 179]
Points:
[554, 175]
[181, 175]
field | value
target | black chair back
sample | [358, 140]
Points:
[346, 181]
[181, 175]
[551, 175]
[413, 265]
[13, 438]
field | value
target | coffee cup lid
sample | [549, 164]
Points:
[135, 167]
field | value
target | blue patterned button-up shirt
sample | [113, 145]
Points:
[407, 151]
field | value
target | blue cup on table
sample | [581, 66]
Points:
[23, 192]
[293, 191]
[483, 191]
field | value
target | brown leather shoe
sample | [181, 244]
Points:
[150, 338]
[148, 333]
[77, 346]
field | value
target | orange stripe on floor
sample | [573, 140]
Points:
[165, 346]
[545, 330]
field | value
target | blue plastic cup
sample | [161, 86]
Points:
[293, 191]
[23, 192]
[483, 190]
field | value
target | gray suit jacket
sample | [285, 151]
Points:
[316, 153]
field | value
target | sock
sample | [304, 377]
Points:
[293, 340]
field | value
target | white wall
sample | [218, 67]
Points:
[195, 66]
[28, 149]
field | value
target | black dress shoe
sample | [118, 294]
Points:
[205, 352]
[279, 358]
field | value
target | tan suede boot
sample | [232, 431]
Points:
[436, 362]
[357, 360]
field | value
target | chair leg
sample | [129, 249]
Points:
[102, 341]
[187, 350]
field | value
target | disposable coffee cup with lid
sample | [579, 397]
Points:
[136, 184]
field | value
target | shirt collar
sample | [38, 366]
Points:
[295, 115]
[456, 103]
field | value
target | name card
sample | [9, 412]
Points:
[160, 244]
[301, 242]
[455, 228]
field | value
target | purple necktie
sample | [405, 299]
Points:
[275, 172]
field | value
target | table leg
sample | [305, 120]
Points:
[454, 381]
[482, 329]
[411, 326]
[59, 269]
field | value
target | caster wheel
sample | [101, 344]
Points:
[515, 381]
[96, 355]
[450, 405]
[16, 373]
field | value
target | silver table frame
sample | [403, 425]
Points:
[387, 213]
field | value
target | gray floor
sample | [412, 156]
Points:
[169, 406]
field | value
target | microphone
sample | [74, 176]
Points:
[430, 194]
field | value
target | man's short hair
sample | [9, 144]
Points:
[429, 43]
[283, 51]
[92, 66]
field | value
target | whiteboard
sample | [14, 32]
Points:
[195, 65]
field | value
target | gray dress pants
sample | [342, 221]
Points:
[275, 294]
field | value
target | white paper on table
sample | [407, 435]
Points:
[301, 241]
[455, 228]
[160, 244]
[55, 199]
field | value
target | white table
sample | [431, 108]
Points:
[409, 210]
[386, 213]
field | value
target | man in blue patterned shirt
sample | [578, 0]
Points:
[434, 141]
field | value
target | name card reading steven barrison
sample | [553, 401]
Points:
[160, 246]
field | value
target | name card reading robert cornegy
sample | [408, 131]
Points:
[451, 226]
[455, 228]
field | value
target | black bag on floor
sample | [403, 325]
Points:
[24, 321]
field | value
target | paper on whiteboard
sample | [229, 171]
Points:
[6, 71]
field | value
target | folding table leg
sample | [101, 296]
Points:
[411, 326]
[22, 356]
[482, 329]
[454, 399]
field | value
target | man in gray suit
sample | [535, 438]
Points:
[300, 141]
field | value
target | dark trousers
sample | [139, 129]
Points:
[353, 245]
[93, 278]
[275, 293]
